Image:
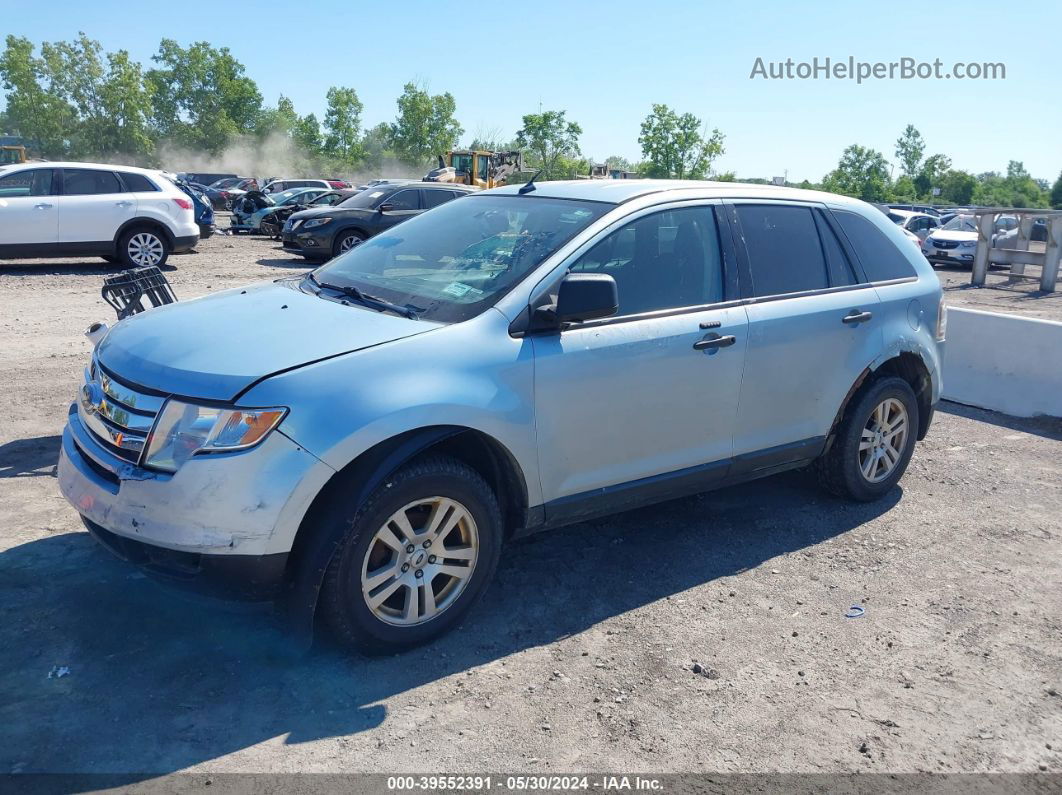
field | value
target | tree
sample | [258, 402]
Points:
[862, 172]
[343, 125]
[930, 174]
[425, 126]
[617, 163]
[201, 96]
[910, 147]
[550, 138]
[489, 139]
[38, 113]
[903, 190]
[957, 187]
[678, 147]
[1056, 193]
[376, 146]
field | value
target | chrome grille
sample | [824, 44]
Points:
[119, 416]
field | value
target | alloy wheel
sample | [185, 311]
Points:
[349, 242]
[145, 249]
[883, 440]
[420, 561]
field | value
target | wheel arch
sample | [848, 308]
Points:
[350, 228]
[144, 222]
[908, 365]
[312, 551]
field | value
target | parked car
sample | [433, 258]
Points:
[248, 211]
[339, 184]
[278, 185]
[224, 191]
[955, 243]
[202, 209]
[919, 224]
[203, 178]
[130, 215]
[924, 209]
[272, 222]
[320, 234]
[361, 441]
[1008, 238]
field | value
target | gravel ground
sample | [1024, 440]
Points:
[705, 634]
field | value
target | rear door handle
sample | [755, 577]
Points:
[42, 206]
[713, 341]
[855, 316]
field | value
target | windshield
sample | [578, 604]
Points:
[284, 195]
[452, 262]
[961, 223]
[365, 199]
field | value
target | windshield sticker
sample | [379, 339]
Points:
[459, 290]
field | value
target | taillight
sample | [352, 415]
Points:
[184, 204]
[942, 320]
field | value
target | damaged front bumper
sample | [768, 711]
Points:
[223, 524]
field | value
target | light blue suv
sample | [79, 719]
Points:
[360, 441]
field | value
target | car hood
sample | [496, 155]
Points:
[954, 236]
[216, 346]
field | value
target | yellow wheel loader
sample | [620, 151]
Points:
[475, 167]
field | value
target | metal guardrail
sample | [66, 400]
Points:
[1019, 256]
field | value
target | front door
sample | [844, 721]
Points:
[29, 212]
[646, 398]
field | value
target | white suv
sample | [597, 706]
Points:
[123, 214]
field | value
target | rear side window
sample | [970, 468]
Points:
[782, 242]
[878, 255]
[84, 182]
[841, 273]
[137, 183]
[433, 198]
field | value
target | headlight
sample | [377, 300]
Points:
[184, 429]
[316, 222]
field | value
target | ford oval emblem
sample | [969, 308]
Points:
[91, 397]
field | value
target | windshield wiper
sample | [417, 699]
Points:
[352, 292]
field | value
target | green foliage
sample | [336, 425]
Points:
[903, 190]
[425, 126]
[343, 125]
[678, 147]
[1056, 193]
[552, 143]
[910, 147]
[957, 187]
[34, 110]
[862, 172]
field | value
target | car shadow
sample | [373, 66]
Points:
[36, 457]
[88, 267]
[102, 670]
[289, 262]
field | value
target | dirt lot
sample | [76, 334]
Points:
[582, 656]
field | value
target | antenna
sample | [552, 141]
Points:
[530, 185]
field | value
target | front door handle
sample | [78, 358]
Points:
[855, 316]
[122, 204]
[713, 341]
[42, 206]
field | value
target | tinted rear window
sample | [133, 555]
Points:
[137, 183]
[433, 198]
[785, 255]
[878, 255]
[84, 182]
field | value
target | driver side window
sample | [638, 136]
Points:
[666, 260]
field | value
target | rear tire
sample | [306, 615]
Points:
[143, 247]
[379, 596]
[873, 444]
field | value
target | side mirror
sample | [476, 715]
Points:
[385, 207]
[586, 296]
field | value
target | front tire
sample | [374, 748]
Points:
[143, 247]
[345, 241]
[874, 442]
[416, 556]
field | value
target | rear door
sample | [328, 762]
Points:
[93, 205]
[813, 328]
[29, 214]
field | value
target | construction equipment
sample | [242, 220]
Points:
[12, 154]
[476, 167]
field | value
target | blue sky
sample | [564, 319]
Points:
[606, 63]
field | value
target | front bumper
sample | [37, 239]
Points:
[316, 244]
[952, 256]
[217, 515]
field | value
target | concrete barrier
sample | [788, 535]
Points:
[1002, 362]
